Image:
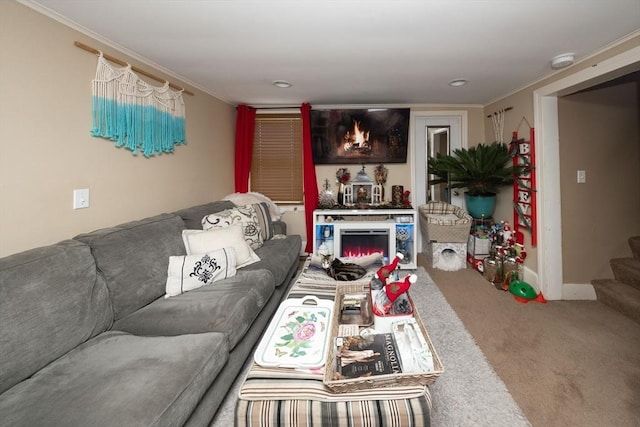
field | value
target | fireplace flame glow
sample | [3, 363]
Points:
[356, 140]
[356, 253]
[357, 243]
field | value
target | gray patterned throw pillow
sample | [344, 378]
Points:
[244, 215]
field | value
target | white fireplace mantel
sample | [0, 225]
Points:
[400, 225]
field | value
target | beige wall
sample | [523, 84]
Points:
[518, 120]
[521, 113]
[46, 150]
[599, 133]
[399, 174]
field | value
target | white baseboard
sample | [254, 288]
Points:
[570, 291]
[578, 291]
[531, 277]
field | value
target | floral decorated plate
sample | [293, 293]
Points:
[298, 335]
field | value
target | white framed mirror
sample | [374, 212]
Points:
[456, 122]
[437, 143]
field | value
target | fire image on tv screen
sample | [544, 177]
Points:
[358, 136]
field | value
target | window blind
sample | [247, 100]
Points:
[276, 167]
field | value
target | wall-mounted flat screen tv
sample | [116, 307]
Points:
[356, 136]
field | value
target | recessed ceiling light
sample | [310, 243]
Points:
[562, 61]
[281, 83]
[458, 82]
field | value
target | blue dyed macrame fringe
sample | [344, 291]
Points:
[134, 114]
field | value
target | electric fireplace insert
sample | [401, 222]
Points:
[355, 243]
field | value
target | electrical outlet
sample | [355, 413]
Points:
[81, 198]
[582, 177]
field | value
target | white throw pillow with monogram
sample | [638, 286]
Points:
[188, 272]
[244, 215]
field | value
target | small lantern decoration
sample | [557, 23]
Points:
[363, 190]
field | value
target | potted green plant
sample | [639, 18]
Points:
[482, 170]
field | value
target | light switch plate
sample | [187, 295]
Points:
[81, 198]
[582, 177]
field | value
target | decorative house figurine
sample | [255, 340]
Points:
[362, 190]
[348, 194]
[376, 197]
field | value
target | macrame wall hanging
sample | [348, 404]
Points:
[135, 114]
[497, 119]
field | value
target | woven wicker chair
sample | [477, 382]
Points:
[443, 222]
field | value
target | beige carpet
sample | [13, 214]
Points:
[566, 363]
[467, 394]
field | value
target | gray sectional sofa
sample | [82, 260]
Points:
[87, 337]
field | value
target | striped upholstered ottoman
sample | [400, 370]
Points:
[302, 400]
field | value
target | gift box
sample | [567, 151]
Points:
[478, 246]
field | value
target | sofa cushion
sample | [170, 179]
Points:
[229, 306]
[117, 379]
[279, 256]
[188, 272]
[192, 216]
[245, 216]
[134, 257]
[203, 241]
[51, 300]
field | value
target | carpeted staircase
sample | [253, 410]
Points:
[623, 292]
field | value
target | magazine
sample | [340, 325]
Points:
[365, 356]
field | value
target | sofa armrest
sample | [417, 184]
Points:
[279, 227]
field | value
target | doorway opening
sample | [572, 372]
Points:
[549, 273]
[424, 123]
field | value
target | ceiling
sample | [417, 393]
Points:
[365, 52]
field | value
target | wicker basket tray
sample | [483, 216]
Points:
[378, 381]
[436, 228]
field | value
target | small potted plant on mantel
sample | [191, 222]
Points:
[482, 170]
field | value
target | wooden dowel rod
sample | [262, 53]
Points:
[489, 116]
[134, 68]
